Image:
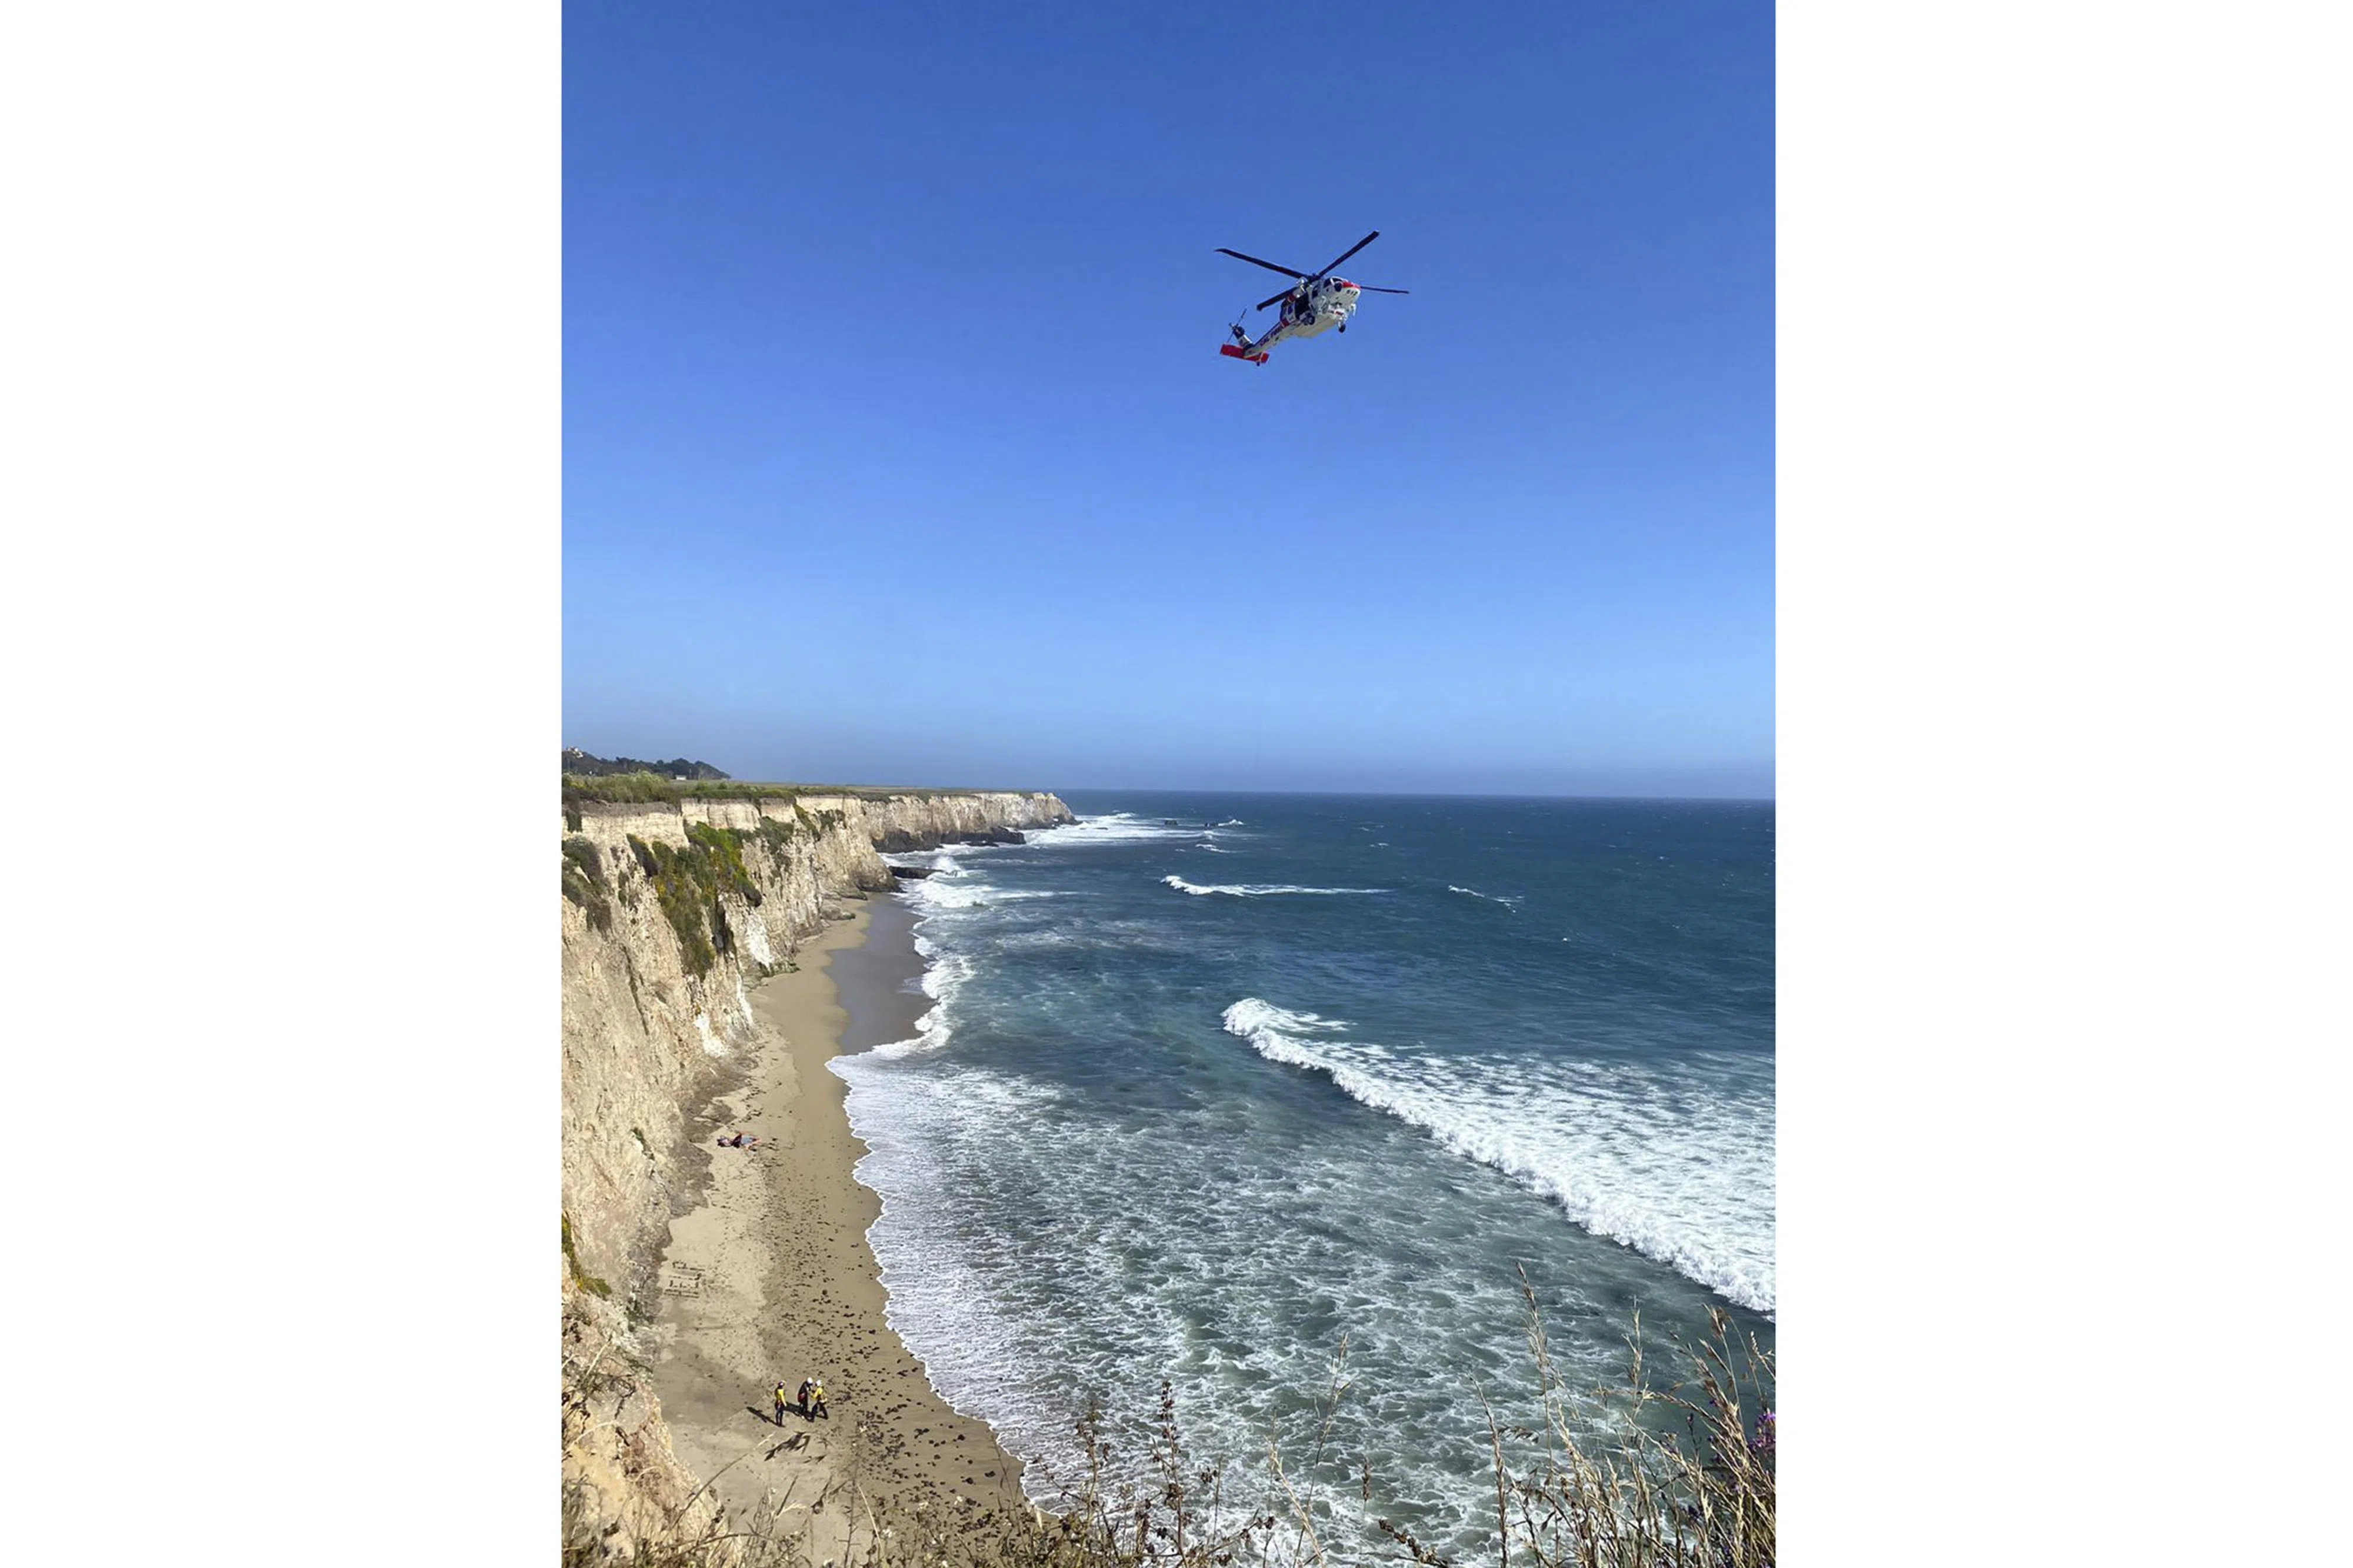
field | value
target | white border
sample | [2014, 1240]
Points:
[2063, 334]
[2061, 437]
[282, 471]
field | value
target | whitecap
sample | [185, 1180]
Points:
[1250, 1015]
[1677, 1167]
[1117, 828]
[1255, 890]
[967, 893]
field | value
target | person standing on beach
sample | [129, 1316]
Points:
[780, 1402]
[801, 1398]
[816, 1400]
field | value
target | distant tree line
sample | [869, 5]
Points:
[580, 765]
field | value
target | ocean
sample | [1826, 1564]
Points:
[1201, 1100]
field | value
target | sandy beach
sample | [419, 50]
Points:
[771, 1280]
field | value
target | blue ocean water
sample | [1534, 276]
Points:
[1198, 1100]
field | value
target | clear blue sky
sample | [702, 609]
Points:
[898, 447]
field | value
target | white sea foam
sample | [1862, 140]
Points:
[957, 889]
[1117, 828]
[945, 973]
[941, 890]
[1676, 1166]
[1509, 900]
[1250, 1014]
[1022, 1303]
[951, 892]
[1103, 1297]
[1255, 890]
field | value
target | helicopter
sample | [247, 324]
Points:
[1316, 302]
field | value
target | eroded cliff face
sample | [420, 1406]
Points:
[647, 1018]
[671, 912]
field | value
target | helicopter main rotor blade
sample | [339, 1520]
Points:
[1366, 288]
[1350, 251]
[1270, 266]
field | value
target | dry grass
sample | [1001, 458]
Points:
[1680, 1476]
[1684, 1479]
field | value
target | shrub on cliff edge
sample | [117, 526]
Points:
[583, 881]
[688, 882]
[725, 846]
[682, 887]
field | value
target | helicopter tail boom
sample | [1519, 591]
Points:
[1233, 352]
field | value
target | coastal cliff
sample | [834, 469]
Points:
[672, 908]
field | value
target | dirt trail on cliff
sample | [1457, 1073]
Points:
[771, 1280]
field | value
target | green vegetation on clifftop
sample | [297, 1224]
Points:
[648, 788]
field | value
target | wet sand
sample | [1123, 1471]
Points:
[878, 980]
[771, 1280]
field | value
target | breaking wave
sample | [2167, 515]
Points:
[952, 889]
[1494, 1104]
[1118, 827]
[1254, 890]
[944, 974]
[953, 886]
[1692, 1188]
[952, 893]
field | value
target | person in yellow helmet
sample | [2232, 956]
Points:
[780, 1404]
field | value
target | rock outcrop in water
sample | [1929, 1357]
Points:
[671, 910]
